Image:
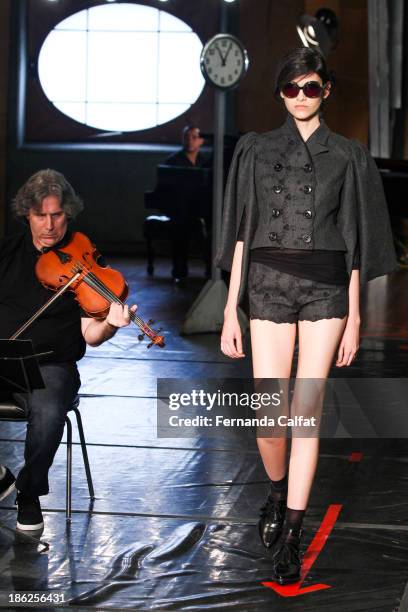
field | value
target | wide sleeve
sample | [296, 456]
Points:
[356, 259]
[241, 231]
[375, 237]
[239, 195]
[364, 219]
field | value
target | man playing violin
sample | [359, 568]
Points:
[46, 202]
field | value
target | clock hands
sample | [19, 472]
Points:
[221, 55]
[227, 53]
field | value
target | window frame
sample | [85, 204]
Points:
[64, 133]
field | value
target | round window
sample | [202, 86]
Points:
[121, 67]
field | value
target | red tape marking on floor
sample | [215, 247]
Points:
[310, 556]
[356, 457]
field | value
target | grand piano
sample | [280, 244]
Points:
[394, 173]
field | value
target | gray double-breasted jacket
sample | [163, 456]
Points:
[325, 193]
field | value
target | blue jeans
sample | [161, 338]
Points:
[46, 410]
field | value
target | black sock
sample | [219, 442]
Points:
[278, 485]
[294, 518]
[279, 488]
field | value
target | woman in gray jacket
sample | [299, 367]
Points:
[305, 224]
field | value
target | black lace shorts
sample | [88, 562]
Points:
[285, 298]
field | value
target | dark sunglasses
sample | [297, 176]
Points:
[311, 89]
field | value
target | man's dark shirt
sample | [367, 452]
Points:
[21, 295]
[180, 159]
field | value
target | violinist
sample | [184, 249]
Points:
[46, 203]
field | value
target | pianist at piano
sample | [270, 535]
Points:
[183, 198]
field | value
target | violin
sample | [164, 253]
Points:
[74, 267]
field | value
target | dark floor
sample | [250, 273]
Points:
[173, 523]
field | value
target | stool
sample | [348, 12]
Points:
[162, 227]
[9, 411]
[155, 227]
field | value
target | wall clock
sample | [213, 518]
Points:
[224, 61]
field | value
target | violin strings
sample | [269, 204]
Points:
[94, 282]
[108, 294]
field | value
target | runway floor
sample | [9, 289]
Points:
[173, 526]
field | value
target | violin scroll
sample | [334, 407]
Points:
[154, 336]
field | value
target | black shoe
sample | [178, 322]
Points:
[29, 516]
[7, 484]
[272, 518]
[286, 556]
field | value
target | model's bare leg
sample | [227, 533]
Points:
[318, 342]
[273, 346]
[272, 355]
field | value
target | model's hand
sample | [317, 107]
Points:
[118, 315]
[231, 337]
[349, 344]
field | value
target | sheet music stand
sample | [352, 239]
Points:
[19, 369]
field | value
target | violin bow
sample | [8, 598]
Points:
[44, 307]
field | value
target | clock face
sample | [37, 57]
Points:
[224, 61]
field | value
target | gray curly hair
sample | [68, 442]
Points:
[42, 184]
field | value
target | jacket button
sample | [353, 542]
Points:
[308, 214]
[278, 167]
[277, 188]
[307, 237]
[273, 236]
[276, 212]
[307, 189]
[307, 167]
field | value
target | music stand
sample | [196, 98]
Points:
[19, 369]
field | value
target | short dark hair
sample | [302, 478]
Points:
[298, 61]
[42, 184]
[188, 128]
